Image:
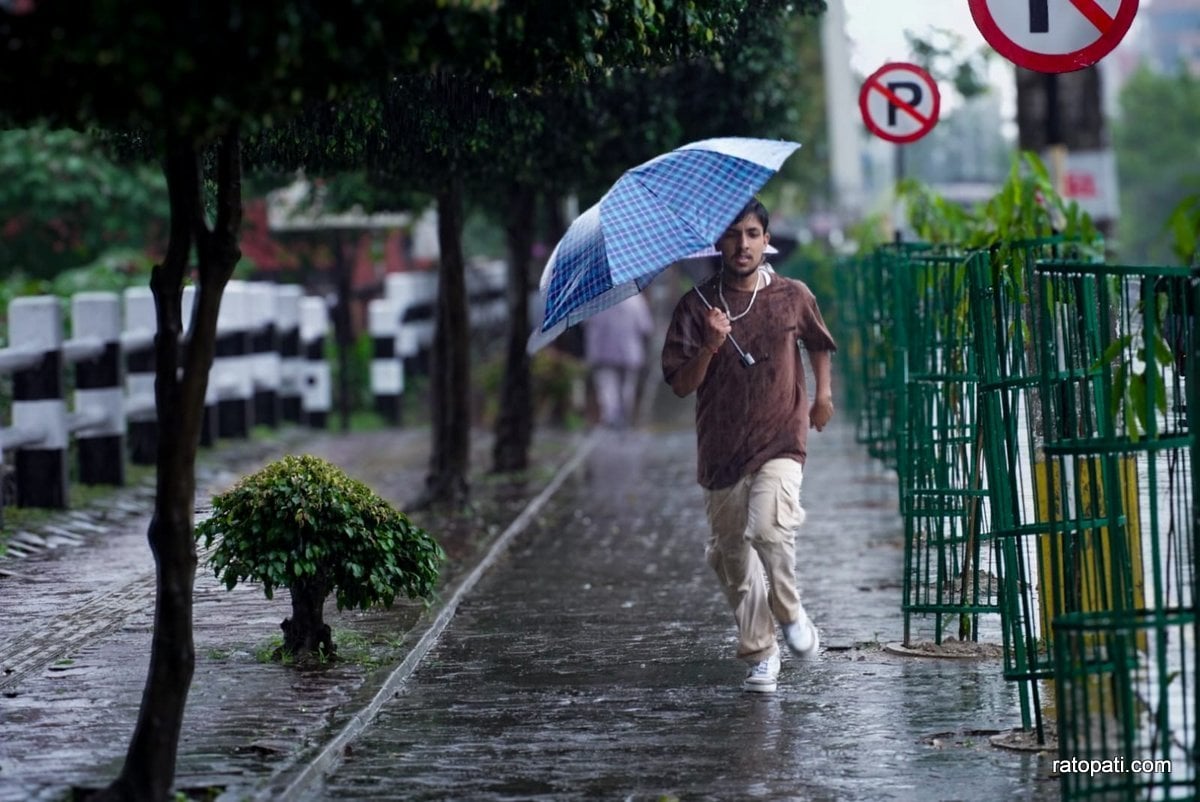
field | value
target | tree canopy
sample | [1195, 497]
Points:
[1157, 153]
[65, 203]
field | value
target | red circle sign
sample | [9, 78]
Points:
[900, 102]
[1053, 35]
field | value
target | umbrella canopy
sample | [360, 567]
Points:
[657, 213]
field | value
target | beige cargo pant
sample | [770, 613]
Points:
[753, 552]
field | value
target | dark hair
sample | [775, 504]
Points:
[755, 207]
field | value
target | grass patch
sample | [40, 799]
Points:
[265, 653]
[367, 420]
[353, 647]
[80, 497]
[368, 652]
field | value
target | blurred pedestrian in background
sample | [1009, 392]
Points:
[615, 349]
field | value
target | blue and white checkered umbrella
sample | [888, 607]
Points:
[656, 213]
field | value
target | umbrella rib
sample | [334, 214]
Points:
[686, 223]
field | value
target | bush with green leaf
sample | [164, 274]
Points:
[1184, 225]
[303, 524]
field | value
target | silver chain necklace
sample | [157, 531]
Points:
[721, 292]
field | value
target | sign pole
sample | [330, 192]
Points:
[1056, 143]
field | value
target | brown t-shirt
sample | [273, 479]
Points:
[746, 416]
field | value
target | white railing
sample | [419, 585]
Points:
[109, 364]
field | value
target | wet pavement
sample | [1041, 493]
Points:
[579, 649]
[596, 662]
[77, 617]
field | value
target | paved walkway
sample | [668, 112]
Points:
[591, 659]
[76, 609]
[596, 663]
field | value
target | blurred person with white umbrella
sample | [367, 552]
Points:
[614, 342]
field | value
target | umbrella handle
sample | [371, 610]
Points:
[747, 359]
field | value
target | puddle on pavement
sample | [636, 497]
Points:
[965, 739]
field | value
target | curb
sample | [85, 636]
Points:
[291, 780]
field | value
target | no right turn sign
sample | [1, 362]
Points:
[1053, 35]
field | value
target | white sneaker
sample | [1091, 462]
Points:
[802, 638]
[763, 676]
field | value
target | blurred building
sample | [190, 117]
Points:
[1165, 37]
[288, 236]
[1172, 35]
[966, 148]
[848, 193]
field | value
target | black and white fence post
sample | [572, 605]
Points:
[231, 374]
[39, 412]
[141, 322]
[387, 371]
[291, 363]
[112, 354]
[414, 296]
[264, 352]
[318, 385]
[98, 420]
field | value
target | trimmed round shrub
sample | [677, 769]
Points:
[301, 523]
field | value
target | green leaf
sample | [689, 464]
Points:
[1119, 388]
[1114, 350]
[1162, 351]
[1136, 408]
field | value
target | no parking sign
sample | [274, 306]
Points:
[1053, 35]
[900, 102]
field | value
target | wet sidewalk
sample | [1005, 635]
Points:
[591, 659]
[596, 662]
[76, 615]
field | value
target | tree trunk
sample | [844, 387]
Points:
[149, 769]
[450, 376]
[514, 425]
[306, 631]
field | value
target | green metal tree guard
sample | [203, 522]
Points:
[1003, 312]
[1117, 564]
[880, 367]
[949, 556]
[851, 278]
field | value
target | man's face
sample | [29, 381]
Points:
[742, 245]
